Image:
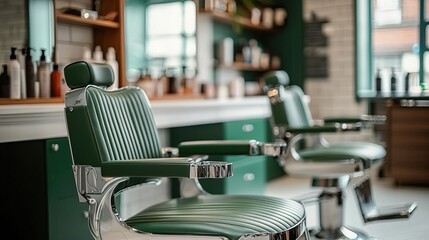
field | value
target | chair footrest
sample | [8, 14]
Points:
[370, 212]
[390, 212]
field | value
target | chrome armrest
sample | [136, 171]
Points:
[374, 119]
[370, 212]
[232, 147]
[274, 149]
[347, 127]
[293, 162]
[195, 167]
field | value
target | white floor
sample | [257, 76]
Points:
[385, 192]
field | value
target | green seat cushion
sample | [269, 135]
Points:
[220, 215]
[342, 151]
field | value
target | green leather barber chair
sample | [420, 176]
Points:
[115, 146]
[330, 165]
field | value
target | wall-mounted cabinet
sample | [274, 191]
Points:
[284, 42]
[69, 33]
[234, 19]
[107, 30]
[258, 45]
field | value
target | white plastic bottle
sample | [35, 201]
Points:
[14, 71]
[111, 60]
[86, 54]
[97, 56]
[44, 76]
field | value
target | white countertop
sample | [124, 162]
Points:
[44, 121]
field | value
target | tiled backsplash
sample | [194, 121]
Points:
[72, 39]
[13, 29]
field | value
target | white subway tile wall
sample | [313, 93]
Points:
[72, 39]
[12, 31]
[334, 96]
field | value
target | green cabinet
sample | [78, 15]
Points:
[250, 173]
[67, 217]
[42, 199]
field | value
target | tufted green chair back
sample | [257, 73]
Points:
[288, 104]
[124, 133]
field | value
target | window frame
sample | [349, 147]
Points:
[364, 72]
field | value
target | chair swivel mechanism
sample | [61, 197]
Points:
[330, 165]
[115, 146]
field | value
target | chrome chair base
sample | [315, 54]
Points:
[343, 233]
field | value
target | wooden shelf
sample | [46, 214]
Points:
[7, 101]
[68, 18]
[228, 18]
[176, 97]
[244, 67]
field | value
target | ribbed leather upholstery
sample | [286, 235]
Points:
[216, 215]
[123, 124]
[298, 115]
[293, 108]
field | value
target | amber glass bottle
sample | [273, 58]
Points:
[55, 82]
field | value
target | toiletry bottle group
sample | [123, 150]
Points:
[26, 78]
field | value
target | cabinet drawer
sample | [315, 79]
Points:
[249, 178]
[246, 129]
[64, 207]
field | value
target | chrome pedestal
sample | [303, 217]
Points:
[331, 207]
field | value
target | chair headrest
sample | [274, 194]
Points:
[274, 79]
[80, 74]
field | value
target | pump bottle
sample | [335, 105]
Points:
[97, 56]
[4, 83]
[44, 76]
[378, 81]
[30, 74]
[14, 71]
[393, 81]
[111, 60]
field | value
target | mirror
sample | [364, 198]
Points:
[21, 27]
[161, 35]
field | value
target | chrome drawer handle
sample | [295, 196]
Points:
[247, 127]
[248, 177]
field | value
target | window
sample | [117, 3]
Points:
[160, 34]
[391, 39]
[171, 38]
[387, 12]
